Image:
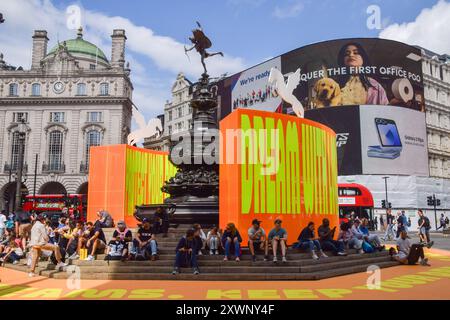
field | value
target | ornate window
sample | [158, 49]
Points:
[55, 151]
[94, 117]
[81, 89]
[93, 138]
[56, 117]
[19, 116]
[104, 89]
[14, 89]
[36, 89]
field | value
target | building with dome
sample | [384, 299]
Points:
[73, 97]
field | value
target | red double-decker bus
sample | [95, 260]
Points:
[355, 198]
[76, 204]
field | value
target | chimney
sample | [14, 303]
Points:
[40, 42]
[118, 48]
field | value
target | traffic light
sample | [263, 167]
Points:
[383, 203]
[438, 202]
[389, 205]
[430, 201]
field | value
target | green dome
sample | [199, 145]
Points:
[79, 45]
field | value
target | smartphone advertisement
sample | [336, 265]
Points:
[393, 141]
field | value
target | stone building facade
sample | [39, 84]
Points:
[436, 74]
[177, 114]
[73, 97]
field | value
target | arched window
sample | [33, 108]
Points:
[36, 89]
[14, 89]
[55, 151]
[81, 89]
[93, 138]
[104, 89]
[15, 144]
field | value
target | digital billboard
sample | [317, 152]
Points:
[377, 139]
[358, 71]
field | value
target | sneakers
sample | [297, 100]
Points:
[196, 271]
[322, 254]
[254, 258]
[430, 244]
[284, 259]
[31, 274]
[89, 258]
[314, 256]
[75, 256]
[211, 252]
[15, 262]
[175, 271]
[275, 260]
[266, 258]
[424, 262]
[341, 253]
[61, 265]
[237, 259]
[361, 251]
[225, 259]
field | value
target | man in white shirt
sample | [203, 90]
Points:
[409, 254]
[39, 241]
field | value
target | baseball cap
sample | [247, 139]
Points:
[256, 221]
[121, 222]
[278, 221]
[145, 220]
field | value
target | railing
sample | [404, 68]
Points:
[53, 168]
[7, 168]
[84, 168]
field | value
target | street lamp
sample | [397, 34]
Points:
[22, 130]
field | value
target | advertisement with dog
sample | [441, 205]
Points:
[357, 72]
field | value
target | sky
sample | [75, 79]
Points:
[247, 31]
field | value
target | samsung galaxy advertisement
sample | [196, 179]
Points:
[393, 141]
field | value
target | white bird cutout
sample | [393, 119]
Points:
[285, 89]
[145, 129]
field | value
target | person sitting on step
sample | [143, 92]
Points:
[161, 222]
[278, 238]
[326, 236]
[93, 240]
[231, 236]
[104, 219]
[186, 253]
[73, 237]
[408, 253]
[373, 239]
[117, 249]
[307, 240]
[200, 237]
[11, 253]
[346, 235]
[145, 245]
[257, 240]
[213, 241]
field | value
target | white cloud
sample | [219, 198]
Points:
[289, 11]
[430, 29]
[162, 52]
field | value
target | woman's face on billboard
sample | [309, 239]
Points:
[352, 57]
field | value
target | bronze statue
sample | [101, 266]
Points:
[201, 43]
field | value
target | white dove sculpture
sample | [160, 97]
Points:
[145, 130]
[285, 89]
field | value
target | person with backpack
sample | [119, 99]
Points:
[424, 229]
[144, 244]
[186, 253]
[441, 222]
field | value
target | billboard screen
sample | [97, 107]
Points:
[393, 140]
[377, 139]
[358, 71]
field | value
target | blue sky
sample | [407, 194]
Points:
[247, 31]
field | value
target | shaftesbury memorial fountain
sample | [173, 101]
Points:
[194, 190]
